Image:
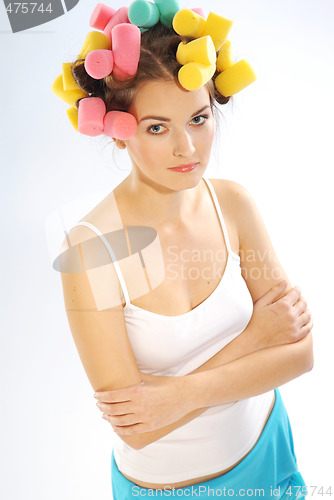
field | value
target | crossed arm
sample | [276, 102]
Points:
[232, 374]
[244, 368]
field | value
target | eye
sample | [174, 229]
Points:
[157, 128]
[205, 117]
[154, 129]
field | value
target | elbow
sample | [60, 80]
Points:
[307, 353]
[310, 363]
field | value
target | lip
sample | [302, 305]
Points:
[184, 168]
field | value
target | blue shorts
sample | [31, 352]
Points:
[269, 471]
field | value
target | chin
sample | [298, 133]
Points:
[187, 180]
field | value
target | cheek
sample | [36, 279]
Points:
[154, 147]
[206, 139]
[212, 129]
[145, 151]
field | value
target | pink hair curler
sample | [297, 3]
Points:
[199, 11]
[125, 40]
[120, 17]
[101, 16]
[120, 125]
[99, 63]
[91, 113]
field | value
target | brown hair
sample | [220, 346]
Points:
[157, 61]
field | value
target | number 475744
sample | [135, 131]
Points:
[28, 7]
[296, 491]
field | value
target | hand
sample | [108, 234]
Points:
[153, 403]
[283, 321]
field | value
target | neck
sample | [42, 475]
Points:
[157, 204]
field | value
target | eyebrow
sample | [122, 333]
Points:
[164, 119]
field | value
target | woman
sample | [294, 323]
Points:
[186, 364]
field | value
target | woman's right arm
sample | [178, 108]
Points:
[100, 335]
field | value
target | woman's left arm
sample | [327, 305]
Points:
[263, 371]
[261, 270]
[259, 264]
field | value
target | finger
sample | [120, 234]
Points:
[115, 396]
[273, 293]
[131, 430]
[305, 330]
[300, 306]
[304, 318]
[123, 420]
[292, 296]
[115, 408]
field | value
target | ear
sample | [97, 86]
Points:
[120, 144]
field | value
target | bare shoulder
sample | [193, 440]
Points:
[236, 203]
[260, 265]
[104, 217]
[73, 246]
[88, 275]
[231, 192]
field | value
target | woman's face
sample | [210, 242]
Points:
[175, 127]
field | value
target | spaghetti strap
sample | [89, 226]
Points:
[112, 255]
[220, 215]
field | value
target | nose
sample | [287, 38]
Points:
[183, 144]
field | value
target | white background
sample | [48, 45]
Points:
[277, 141]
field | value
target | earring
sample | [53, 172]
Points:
[119, 143]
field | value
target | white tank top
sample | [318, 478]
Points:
[177, 345]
